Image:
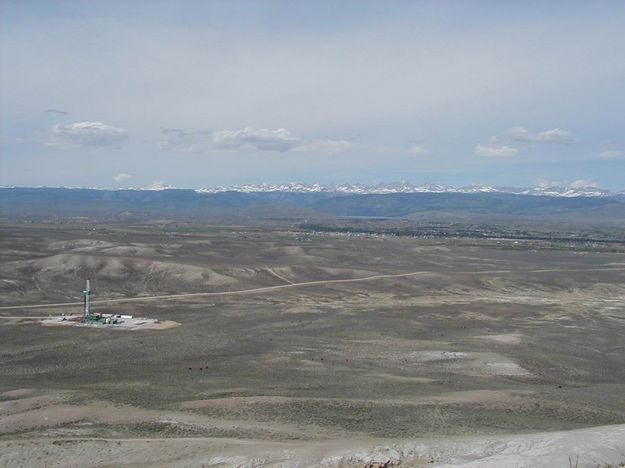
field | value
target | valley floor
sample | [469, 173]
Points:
[300, 349]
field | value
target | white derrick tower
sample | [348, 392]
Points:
[87, 295]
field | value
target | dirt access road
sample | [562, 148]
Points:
[288, 286]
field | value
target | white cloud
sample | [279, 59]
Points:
[122, 177]
[495, 150]
[518, 134]
[256, 139]
[398, 150]
[418, 150]
[583, 183]
[245, 140]
[178, 146]
[556, 135]
[326, 146]
[546, 183]
[579, 184]
[612, 154]
[500, 145]
[55, 111]
[86, 134]
[158, 185]
[523, 135]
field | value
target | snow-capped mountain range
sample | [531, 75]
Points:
[573, 190]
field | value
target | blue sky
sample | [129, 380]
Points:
[196, 94]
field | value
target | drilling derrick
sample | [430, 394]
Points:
[87, 297]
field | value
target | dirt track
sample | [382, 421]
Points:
[288, 286]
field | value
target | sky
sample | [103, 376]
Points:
[208, 93]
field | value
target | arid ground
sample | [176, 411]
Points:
[435, 349]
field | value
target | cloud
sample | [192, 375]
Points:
[55, 111]
[85, 135]
[397, 150]
[183, 133]
[261, 139]
[177, 146]
[244, 140]
[612, 154]
[556, 135]
[122, 177]
[578, 184]
[158, 185]
[326, 146]
[518, 134]
[583, 183]
[418, 150]
[546, 183]
[523, 135]
[495, 150]
[501, 145]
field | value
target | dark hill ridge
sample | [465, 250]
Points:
[186, 204]
[416, 204]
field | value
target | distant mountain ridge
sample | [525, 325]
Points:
[572, 190]
[407, 187]
[301, 203]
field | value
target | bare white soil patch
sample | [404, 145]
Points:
[41, 414]
[403, 378]
[31, 403]
[469, 363]
[20, 392]
[125, 324]
[460, 397]
[599, 446]
[504, 338]
[83, 245]
[131, 251]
